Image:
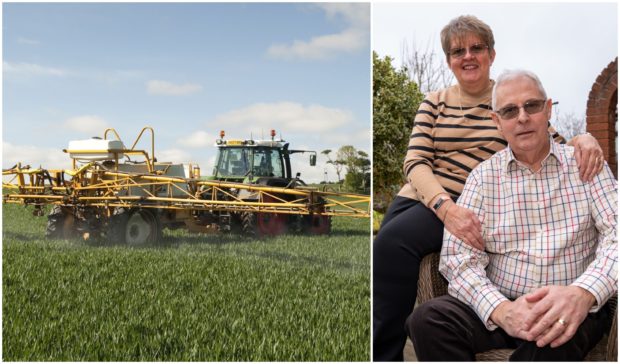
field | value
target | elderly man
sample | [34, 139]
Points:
[550, 255]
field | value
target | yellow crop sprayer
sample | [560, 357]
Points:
[126, 196]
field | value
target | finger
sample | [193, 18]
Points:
[537, 295]
[555, 332]
[474, 240]
[477, 241]
[542, 335]
[539, 319]
[566, 335]
[593, 166]
[578, 156]
[583, 165]
[475, 221]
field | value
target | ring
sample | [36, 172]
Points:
[562, 322]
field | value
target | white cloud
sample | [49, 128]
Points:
[23, 40]
[309, 174]
[289, 116]
[198, 139]
[31, 69]
[174, 155]
[158, 87]
[321, 47]
[355, 37]
[359, 138]
[357, 15]
[49, 158]
[86, 124]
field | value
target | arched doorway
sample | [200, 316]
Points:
[602, 113]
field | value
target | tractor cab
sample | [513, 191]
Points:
[256, 161]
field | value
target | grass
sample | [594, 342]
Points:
[198, 298]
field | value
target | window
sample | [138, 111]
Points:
[267, 163]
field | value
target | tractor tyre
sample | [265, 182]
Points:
[270, 224]
[319, 225]
[115, 233]
[296, 224]
[134, 227]
[60, 224]
[248, 224]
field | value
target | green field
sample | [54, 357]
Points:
[196, 298]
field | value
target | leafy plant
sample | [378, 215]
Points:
[395, 102]
[197, 298]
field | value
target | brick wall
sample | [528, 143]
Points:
[602, 113]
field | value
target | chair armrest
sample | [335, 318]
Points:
[431, 283]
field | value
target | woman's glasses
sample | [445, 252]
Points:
[475, 50]
[530, 107]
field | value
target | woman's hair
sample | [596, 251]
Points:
[462, 26]
[514, 74]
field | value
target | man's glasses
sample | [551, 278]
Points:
[475, 50]
[512, 111]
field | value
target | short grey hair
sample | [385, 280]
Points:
[460, 27]
[509, 75]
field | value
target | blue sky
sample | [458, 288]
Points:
[189, 70]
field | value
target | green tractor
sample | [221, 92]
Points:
[266, 163]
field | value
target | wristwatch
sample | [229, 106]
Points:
[439, 202]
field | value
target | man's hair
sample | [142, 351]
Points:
[462, 26]
[509, 75]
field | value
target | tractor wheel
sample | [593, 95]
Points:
[248, 224]
[319, 225]
[135, 227]
[263, 224]
[115, 233]
[271, 224]
[60, 224]
[142, 228]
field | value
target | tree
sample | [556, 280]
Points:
[569, 125]
[429, 71]
[395, 102]
[337, 166]
[357, 178]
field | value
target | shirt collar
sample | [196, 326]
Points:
[554, 155]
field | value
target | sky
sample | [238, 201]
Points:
[189, 70]
[566, 44]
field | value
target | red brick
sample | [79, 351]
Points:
[596, 112]
[599, 134]
[600, 118]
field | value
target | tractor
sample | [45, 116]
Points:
[266, 163]
[126, 196]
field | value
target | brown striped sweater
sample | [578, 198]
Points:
[452, 133]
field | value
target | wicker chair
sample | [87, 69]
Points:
[432, 284]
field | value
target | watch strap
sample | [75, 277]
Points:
[439, 202]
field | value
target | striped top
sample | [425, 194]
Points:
[539, 229]
[452, 133]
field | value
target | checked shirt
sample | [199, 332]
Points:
[539, 228]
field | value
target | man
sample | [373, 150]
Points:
[550, 259]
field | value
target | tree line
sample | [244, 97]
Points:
[356, 163]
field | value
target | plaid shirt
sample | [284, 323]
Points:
[539, 228]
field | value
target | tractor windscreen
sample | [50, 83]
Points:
[267, 163]
[233, 162]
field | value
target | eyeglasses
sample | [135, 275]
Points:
[475, 50]
[530, 107]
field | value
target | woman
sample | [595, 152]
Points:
[452, 133]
